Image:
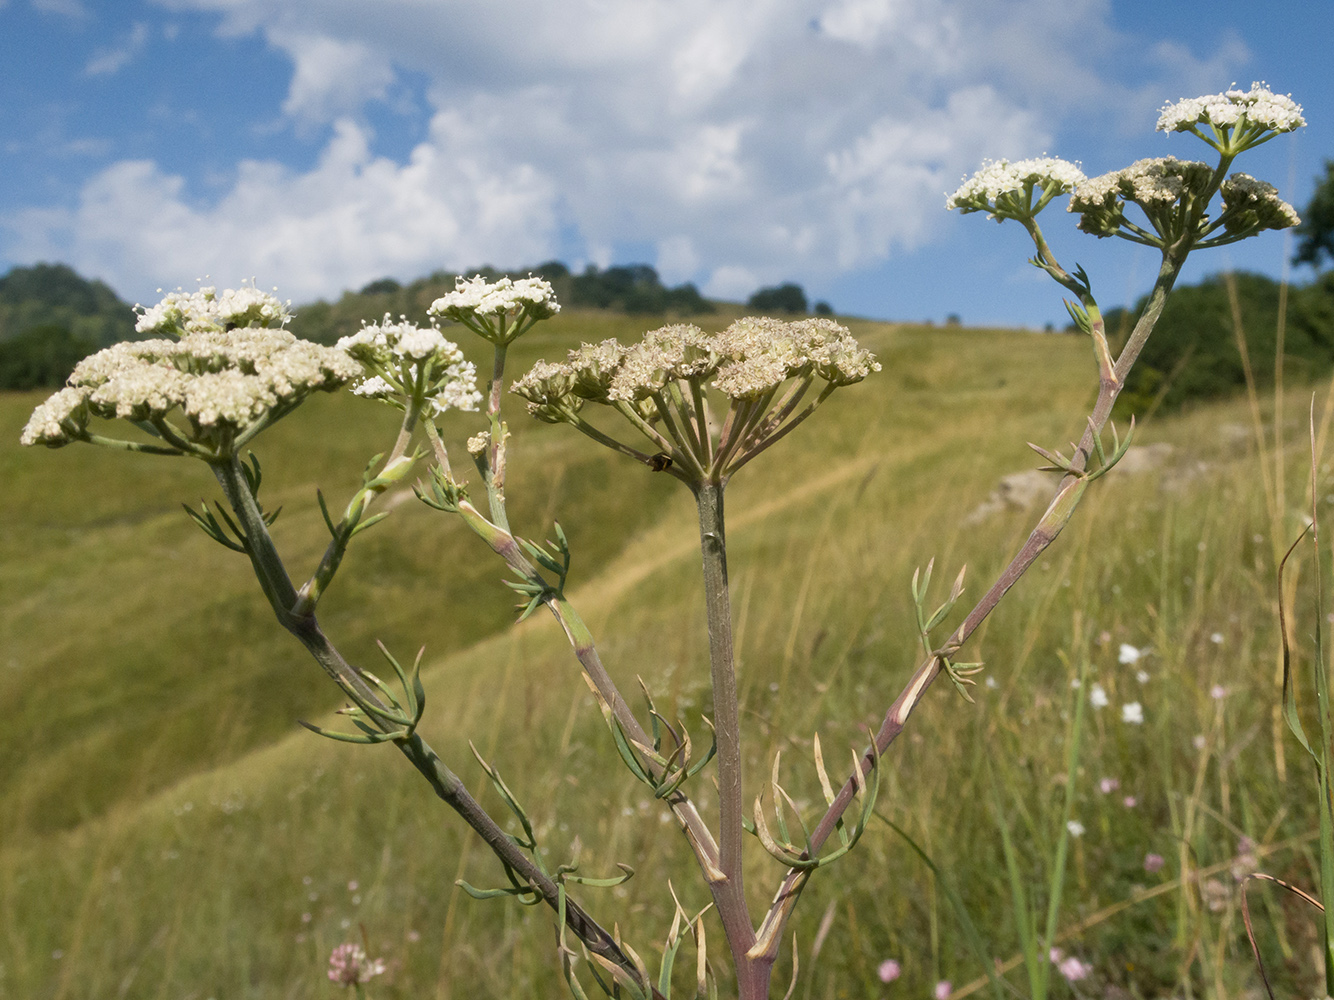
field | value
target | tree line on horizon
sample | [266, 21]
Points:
[51, 317]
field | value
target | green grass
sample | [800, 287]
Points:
[168, 828]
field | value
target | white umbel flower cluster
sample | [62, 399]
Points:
[752, 358]
[402, 361]
[497, 310]
[182, 312]
[1156, 185]
[1005, 188]
[1250, 205]
[1258, 106]
[222, 382]
[763, 366]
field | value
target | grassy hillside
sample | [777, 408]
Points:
[171, 833]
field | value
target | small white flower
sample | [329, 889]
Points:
[1098, 697]
[1142, 676]
[497, 310]
[1132, 712]
[1005, 189]
[1259, 106]
[1198, 741]
[1216, 638]
[1128, 654]
[1075, 827]
[1218, 692]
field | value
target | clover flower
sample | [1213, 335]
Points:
[205, 394]
[349, 966]
[1237, 119]
[500, 310]
[763, 367]
[205, 310]
[1005, 189]
[889, 970]
[406, 363]
[1070, 967]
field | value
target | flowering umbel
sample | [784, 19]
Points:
[408, 365]
[498, 311]
[1005, 189]
[1234, 120]
[226, 371]
[764, 367]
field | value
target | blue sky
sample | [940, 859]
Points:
[316, 145]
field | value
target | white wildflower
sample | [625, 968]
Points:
[403, 360]
[1133, 713]
[205, 310]
[497, 310]
[59, 420]
[1098, 697]
[1075, 827]
[1157, 185]
[1259, 106]
[224, 382]
[1250, 205]
[1005, 188]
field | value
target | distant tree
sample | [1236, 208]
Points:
[953, 319]
[823, 309]
[383, 286]
[1193, 352]
[54, 294]
[687, 301]
[41, 357]
[552, 270]
[1317, 229]
[787, 297]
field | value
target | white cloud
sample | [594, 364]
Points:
[73, 9]
[334, 77]
[105, 62]
[745, 142]
[352, 218]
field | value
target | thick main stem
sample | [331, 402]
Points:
[729, 892]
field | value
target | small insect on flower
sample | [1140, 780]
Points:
[660, 462]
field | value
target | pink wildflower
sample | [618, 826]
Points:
[1073, 969]
[349, 966]
[1153, 863]
[943, 989]
[889, 970]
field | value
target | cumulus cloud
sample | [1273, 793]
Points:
[740, 141]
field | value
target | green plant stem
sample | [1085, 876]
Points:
[1056, 887]
[753, 971]
[495, 469]
[447, 785]
[1068, 493]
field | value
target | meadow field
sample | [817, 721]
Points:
[169, 832]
